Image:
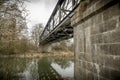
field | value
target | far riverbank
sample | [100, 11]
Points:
[39, 55]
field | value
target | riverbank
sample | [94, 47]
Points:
[39, 55]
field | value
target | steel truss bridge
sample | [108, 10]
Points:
[59, 26]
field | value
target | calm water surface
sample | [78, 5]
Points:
[51, 68]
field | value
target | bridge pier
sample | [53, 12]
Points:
[45, 48]
[97, 40]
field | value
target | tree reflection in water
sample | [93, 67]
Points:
[65, 67]
[46, 72]
[63, 62]
[35, 69]
[10, 66]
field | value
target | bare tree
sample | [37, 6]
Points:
[12, 23]
[36, 31]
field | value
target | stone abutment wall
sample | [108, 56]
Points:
[97, 40]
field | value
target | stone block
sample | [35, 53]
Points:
[104, 49]
[108, 26]
[114, 36]
[98, 18]
[110, 49]
[78, 74]
[99, 38]
[81, 56]
[89, 76]
[106, 37]
[89, 66]
[94, 53]
[75, 40]
[112, 62]
[114, 49]
[101, 3]
[84, 64]
[88, 46]
[88, 11]
[88, 57]
[87, 36]
[95, 29]
[96, 68]
[93, 39]
[101, 60]
[111, 12]
[81, 41]
[104, 72]
[96, 39]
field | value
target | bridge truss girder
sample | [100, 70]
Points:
[58, 26]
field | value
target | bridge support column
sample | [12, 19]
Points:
[97, 40]
[45, 48]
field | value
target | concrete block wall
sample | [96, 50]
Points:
[97, 40]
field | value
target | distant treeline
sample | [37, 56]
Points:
[12, 27]
[14, 38]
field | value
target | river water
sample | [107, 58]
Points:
[50, 68]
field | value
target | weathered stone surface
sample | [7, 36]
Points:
[109, 25]
[111, 12]
[45, 49]
[105, 72]
[112, 62]
[89, 76]
[114, 36]
[97, 41]
[114, 49]
[111, 49]
[89, 66]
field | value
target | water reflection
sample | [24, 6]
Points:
[64, 72]
[9, 67]
[31, 71]
[52, 68]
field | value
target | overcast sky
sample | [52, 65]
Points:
[39, 11]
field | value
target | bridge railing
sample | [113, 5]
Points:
[60, 12]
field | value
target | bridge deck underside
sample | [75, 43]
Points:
[64, 31]
[59, 27]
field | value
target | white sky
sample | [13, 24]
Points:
[39, 11]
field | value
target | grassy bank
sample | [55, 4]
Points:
[39, 55]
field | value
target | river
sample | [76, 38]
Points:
[46, 68]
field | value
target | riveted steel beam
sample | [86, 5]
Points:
[58, 20]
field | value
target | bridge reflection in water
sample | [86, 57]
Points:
[36, 69]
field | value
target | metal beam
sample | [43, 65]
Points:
[58, 20]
